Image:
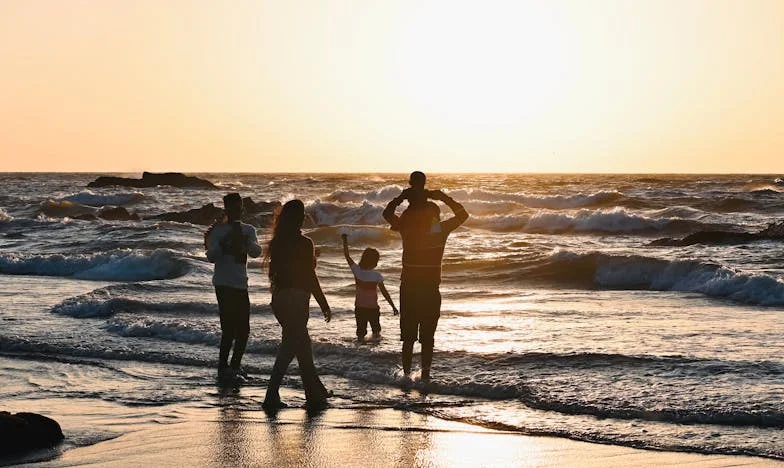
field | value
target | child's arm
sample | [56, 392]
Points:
[385, 293]
[345, 249]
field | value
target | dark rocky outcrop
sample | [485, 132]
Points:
[258, 214]
[117, 213]
[151, 179]
[774, 231]
[205, 215]
[252, 207]
[26, 431]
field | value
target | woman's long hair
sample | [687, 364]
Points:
[285, 229]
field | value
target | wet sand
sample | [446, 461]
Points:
[339, 437]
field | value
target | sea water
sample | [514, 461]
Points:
[559, 315]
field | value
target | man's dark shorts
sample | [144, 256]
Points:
[420, 308]
[234, 310]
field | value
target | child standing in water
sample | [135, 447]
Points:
[368, 280]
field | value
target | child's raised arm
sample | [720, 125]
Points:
[345, 249]
[385, 293]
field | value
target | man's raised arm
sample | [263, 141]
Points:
[461, 215]
[389, 211]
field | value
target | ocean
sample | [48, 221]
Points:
[561, 314]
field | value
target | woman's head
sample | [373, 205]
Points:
[288, 221]
[285, 228]
[369, 259]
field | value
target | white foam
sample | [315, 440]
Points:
[357, 235]
[331, 214]
[102, 303]
[551, 222]
[538, 201]
[384, 194]
[578, 200]
[90, 198]
[171, 330]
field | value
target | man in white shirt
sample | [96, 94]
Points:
[229, 244]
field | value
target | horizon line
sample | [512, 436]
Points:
[395, 172]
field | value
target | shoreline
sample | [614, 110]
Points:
[231, 435]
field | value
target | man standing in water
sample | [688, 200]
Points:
[424, 238]
[228, 245]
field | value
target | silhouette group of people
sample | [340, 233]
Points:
[290, 262]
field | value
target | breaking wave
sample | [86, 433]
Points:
[330, 214]
[118, 265]
[493, 216]
[357, 235]
[382, 195]
[554, 202]
[646, 273]
[615, 220]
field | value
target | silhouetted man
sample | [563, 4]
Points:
[228, 246]
[424, 238]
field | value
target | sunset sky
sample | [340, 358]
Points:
[387, 86]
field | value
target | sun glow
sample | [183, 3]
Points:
[480, 66]
[380, 86]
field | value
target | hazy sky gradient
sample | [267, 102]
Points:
[355, 86]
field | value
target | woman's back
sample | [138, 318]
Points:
[291, 262]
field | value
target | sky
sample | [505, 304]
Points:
[675, 86]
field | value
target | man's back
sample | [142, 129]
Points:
[423, 250]
[228, 271]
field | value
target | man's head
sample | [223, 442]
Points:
[433, 212]
[422, 217]
[232, 203]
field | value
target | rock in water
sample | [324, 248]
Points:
[26, 431]
[152, 179]
[257, 214]
[117, 213]
[774, 231]
[205, 215]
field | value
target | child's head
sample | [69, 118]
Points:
[417, 179]
[369, 259]
[417, 194]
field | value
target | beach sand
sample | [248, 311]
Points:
[188, 435]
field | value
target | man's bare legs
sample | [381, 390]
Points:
[427, 358]
[408, 354]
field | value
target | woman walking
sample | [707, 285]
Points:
[292, 272]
